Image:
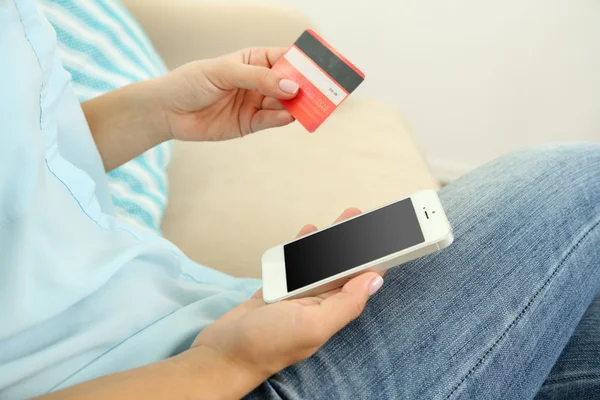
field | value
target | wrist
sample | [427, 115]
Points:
[127, 122]
[150, 109]
[215, 376]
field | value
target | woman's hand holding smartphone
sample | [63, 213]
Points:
[256, 340]
[259, 339]
[374, 241]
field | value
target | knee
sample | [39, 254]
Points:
[556, 165]
[573, 157]
[544, 180]
[565, 167]
[557, 176]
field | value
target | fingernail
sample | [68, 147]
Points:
[288, 86]
[375, 285]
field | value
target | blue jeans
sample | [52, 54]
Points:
[500, 314]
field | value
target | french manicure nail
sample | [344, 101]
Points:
[288, 86]
[375, 285]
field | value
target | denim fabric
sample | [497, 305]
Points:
[576, 375]
[488, 317]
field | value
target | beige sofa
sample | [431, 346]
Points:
[231, 201]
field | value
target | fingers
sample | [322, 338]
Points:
[348, 213]
[229, 75]
[262, 56]
[270, 103]
[348, 304]
[265, 119]
[273, 54]
[306, 229]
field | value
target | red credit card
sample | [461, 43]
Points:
[325, 77]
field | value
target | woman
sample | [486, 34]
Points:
[508, 311]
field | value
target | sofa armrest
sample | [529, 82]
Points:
[186, 30]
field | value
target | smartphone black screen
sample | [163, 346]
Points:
[352, 243]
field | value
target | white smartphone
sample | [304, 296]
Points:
[373, 241]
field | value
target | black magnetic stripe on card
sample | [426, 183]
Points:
[335, 67]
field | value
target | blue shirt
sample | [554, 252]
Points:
[82, 293]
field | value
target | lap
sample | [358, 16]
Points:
[489, 316]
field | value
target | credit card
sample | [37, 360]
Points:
[325, 77]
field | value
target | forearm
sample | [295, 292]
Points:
[195, 374]
[126, 122]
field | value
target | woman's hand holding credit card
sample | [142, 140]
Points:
[325, 77]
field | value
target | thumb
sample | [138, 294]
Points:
[346, 305]
[262, 79]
